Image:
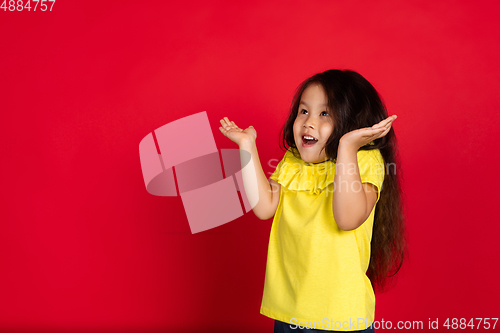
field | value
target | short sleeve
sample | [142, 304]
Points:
[371, 167]
[279, 169]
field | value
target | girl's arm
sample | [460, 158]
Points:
[353, 201]
[267, 196]
[262, 197]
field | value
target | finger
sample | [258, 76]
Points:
[389, 124]
[225, 123]
[382, 123]
[385, 125]
[373, 132]
[384, 133]
[231, 124]
[385, 122]
[391, 120]
[377, 130]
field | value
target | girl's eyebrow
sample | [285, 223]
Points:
[322, 105]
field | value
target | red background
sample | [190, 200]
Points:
[84, 247]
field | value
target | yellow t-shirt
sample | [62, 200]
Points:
[316, 272]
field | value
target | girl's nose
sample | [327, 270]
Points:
[309, 124]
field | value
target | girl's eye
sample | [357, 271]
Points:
[303, 111]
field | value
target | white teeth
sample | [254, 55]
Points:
[309, 137]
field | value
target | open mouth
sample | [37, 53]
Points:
[309, 140]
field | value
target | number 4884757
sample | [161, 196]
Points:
[19, 5]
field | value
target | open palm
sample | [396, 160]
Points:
[363, 136]
[236, 134]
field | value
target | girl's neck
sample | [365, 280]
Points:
[307, 163]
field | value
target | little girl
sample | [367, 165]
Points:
[338, 226]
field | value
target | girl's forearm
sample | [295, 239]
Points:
[349, 198]
[257, 187]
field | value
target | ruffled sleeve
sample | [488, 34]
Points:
[371, 167]
[276, 174]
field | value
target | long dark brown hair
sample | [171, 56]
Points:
[355, 104]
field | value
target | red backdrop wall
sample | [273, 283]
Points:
[84, 246]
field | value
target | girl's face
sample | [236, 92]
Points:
[313, 120]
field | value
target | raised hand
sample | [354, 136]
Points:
[362, 136]
[236, 134]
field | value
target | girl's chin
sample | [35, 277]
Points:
[308, 158]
